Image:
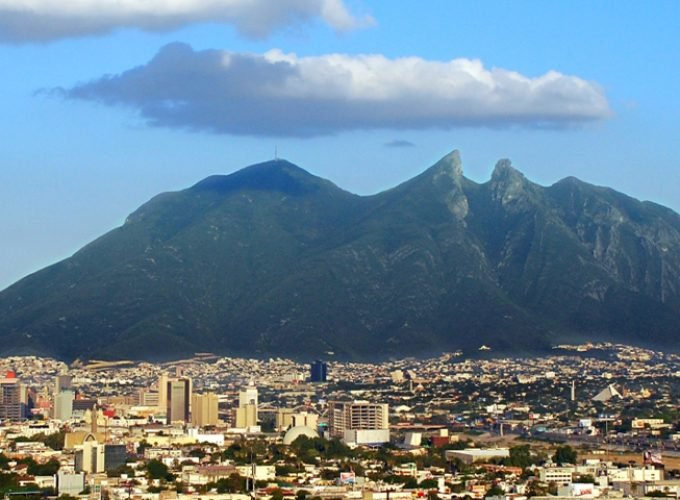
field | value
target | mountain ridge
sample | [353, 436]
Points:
[273, 260]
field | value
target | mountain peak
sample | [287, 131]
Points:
[505, 170]
[451, 164]
[274, 175]
[507, 183]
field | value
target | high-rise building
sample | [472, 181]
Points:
[306, 419]
[148, 397]
[63, 404]
[179, 397]
[319, 371]
[81, 405]
[356, 416]
[248, 396]
[12, 399]
[284, 419]
[204, 409]
[63, 397]
[94, 457]
[62, 383]
[245, 416]
[163, 392]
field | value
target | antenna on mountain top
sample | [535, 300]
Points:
[276, 153]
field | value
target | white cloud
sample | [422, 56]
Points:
[44, 20]
[285, 95]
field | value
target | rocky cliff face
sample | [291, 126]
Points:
[272, 260]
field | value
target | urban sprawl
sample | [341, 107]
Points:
[592, 420]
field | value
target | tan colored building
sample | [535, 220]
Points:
[357, 415]
[204, 409]
[287, 418]
[284, 419]
[178, 400]
[245, 416]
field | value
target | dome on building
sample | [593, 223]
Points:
[295, 432]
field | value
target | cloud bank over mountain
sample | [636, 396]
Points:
[46, 20]
[282, 94]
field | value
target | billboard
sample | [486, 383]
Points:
[652, 458]
[347, 478]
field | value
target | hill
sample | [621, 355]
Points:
[272, 260]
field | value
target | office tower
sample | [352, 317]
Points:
[305, 419]
[179, 397]
[81, 405]
[245, 416]
[246, 413]
[94, 457]
[163, 392]
[149, 398]
[62, 383]
[284, 418]
[204, 409]
[248, 396]
[319, 371]
[360, 415]
[64, 395]
[63, 404]
[12, 399]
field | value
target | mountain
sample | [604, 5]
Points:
[272, 260]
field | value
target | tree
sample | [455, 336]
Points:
[197, 452]
[55, 441]
[429, 484]
[155, 469]
[409, 482]
[235, 483]
[285, 470]
[118, 471]
[520, 456]
[47, 469]
[585, 478]
[536, 489]
[143, 445]
[495, 491]
[8, 480]
[564, 455]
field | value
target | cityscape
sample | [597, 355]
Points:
[589, 420]
[339, 249]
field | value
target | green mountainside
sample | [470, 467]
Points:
[272, 260]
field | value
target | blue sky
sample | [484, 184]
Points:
[80, 150]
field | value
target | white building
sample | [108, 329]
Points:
[557, 475]
[356, 415]
[471, 455]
